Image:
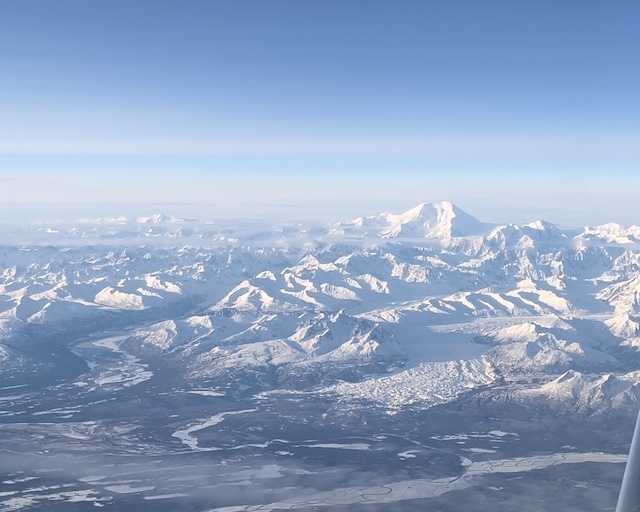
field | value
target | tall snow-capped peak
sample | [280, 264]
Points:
[433, 220]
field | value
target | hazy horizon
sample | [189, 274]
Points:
[51, 213]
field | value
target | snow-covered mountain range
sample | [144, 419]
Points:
[412, 308]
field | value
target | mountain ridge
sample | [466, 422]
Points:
[425, 293]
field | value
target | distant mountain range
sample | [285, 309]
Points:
[417, 307]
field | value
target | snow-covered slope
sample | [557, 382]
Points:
[217, 342]
[589, 393]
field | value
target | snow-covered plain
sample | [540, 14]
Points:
[186, 435]
[423, 488]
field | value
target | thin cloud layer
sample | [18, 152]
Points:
[626, 147]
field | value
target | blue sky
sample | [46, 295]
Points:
[513, 110]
